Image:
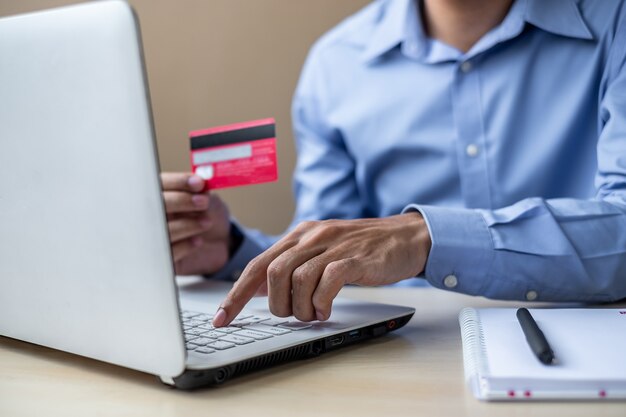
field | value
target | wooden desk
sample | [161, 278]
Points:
[418, 371]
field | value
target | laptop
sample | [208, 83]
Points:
[85, 260]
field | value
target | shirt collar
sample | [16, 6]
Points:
[391, 30]
[401, 24]
[559, 17]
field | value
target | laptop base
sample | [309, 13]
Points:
[197, 378]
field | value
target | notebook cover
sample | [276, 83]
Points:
[588, 345]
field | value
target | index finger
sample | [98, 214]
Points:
[251, 279]
[181, 181]
[244, 289]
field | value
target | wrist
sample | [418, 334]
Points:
[235, 239]
[420, 241]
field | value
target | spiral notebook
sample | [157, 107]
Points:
[589, 346]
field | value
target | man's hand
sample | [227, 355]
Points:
[305, 270]
[198, 223]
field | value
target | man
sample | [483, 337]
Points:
[479, 143]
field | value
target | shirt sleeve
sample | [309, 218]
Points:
[549, 250]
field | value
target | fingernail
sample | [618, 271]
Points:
[197, 241]
[220, 318]
[320, 316]
[195, 181]
[199, 200]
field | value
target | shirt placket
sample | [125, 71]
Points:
[471, 143]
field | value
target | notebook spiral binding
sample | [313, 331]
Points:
[474, 350]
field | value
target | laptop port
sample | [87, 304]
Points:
[336, 340]
[221, 375]
[354, 334]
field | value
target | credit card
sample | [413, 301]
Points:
[236, 154]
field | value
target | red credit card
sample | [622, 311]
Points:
[234, 155]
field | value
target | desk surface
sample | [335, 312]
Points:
[417, 371]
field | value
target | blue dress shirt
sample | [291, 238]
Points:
[514, 152]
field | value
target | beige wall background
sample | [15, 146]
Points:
[212, 62]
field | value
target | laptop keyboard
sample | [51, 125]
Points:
[201, 337]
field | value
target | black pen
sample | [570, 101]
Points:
[535, 337]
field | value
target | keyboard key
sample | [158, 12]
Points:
[256, 319]
[295, 325]
[191, 346]
[219, 345]
[195, 331]
[206, 326]
[254, 335]
[201, 341]
[243, 315]
[188, 314]
[227, 329]
[204, 350]
[238, 340]
[240, 323]
[275, 321]
[194, 322]
[277, 331]
[212, 334]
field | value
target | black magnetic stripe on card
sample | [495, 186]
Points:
[234, 136]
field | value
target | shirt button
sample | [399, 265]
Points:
[531, 295]
[471, 150]
[466, 66]
[450, 281]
